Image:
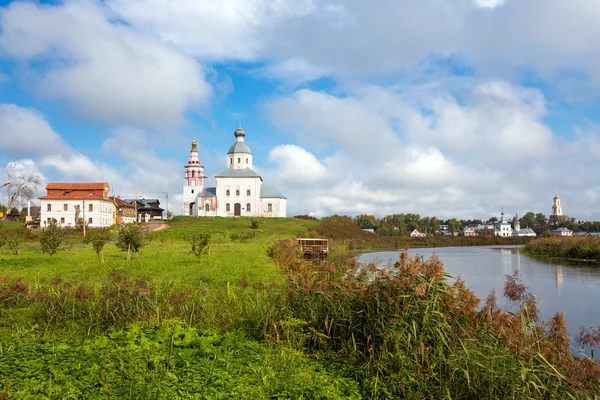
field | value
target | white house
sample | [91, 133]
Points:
[470, 231]
[239, 190]
[416, 233]
[67, 203]
[563, 232]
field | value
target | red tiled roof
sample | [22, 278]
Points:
[76, 186]
[81, 195]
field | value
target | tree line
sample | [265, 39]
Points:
[404, 224]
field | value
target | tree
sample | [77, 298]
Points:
[527, 220]
[540, 219]
[51, 238]
[492, 220]
[453, 225]
[11, 239]
[365, 221]
[98, 239]
[200, 242]
[23, 184]
[131, 239]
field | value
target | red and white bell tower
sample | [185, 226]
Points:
[193, 182]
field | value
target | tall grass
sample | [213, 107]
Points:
[404, 332]
[580, 247]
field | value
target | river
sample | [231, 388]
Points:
[572, 288]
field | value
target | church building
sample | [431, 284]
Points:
[239, 190]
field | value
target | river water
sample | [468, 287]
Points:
[571, 288]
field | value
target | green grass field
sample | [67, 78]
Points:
[250, 320]
[167, 258]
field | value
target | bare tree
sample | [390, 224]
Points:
[22, 186]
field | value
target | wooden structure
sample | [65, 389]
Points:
[311, 247]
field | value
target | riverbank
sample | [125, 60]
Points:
[346, 235]
[581, 248]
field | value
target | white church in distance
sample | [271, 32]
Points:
[239, 190]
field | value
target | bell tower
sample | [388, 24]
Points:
[193, 182]
[556, 209]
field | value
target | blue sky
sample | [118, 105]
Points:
[455, 109]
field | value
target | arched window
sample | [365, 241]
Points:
[248, 207]
[227, 207]
[246, 160]
[237, 192]
[207, 207]
[227, 192]
[193, 174]
[270, 207]
[230, 160]
[248, 192]
[239, 160]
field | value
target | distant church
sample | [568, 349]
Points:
[556, 210]
[239, 191]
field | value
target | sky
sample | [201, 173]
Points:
[447, 108]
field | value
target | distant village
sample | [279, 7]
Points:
[530, 225]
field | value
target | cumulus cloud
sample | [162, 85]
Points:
[107, 71]
[444, 155]
[25, 131]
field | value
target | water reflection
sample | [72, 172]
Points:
[570, 288]
[559, 279]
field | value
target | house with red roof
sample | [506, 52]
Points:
[67, 203]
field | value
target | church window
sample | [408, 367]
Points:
[192, 191]
[248, 207]
[246, 160]
[193, 174]
[90, 207]
[239, 160]
[270, 207]
[49, 207]
[237, 192]
[248, 192]
[65, 207]
[230, 161]
[62, 220]
[90, 221]
[227, 207]
[227, 192]
[207, 207]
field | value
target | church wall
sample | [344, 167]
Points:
[243, 185]
[278, 207]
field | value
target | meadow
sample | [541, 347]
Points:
[249, 319]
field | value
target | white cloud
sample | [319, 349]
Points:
[442, 155]
[25, 131]
[488, 3]
[297, 165]
[106, 70]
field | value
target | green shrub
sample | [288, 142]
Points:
[51, 238]
[130, 239]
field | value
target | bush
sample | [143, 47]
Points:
[98, 239]
[200, 242]
[51, 238]
[254, 224]
[131, 239]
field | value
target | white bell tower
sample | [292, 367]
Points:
[193, 182]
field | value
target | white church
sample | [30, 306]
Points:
[239, 190]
